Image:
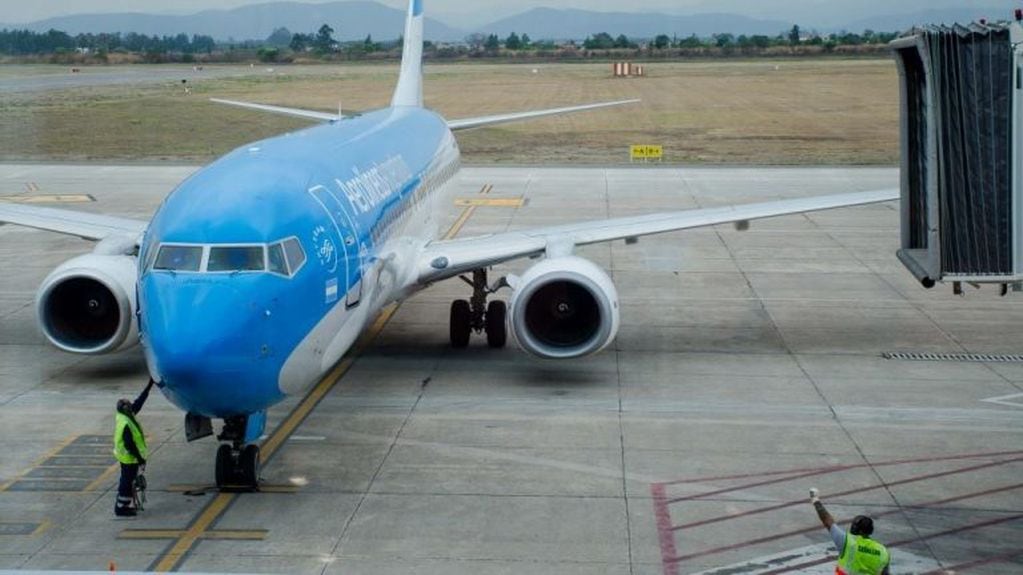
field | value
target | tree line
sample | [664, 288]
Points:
[283, 45]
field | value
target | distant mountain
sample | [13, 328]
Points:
[902, 22]
[549, 23]
[351, 20]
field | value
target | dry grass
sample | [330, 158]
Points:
[811, 111]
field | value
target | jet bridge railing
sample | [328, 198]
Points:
[961, 89]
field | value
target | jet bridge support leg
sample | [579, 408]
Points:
[476, 315]
[238, 461]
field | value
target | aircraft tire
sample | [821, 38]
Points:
[461, 323]
[224, 471]
[248, 466]
[497, 328]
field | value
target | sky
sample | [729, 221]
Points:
[465, 13]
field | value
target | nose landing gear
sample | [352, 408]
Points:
[476, 315]
[238, 462]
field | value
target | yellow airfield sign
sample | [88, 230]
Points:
[646, 152]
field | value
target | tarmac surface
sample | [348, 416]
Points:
[747, 370]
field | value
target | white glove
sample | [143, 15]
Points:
[814, 499]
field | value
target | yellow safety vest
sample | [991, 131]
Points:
[862, 556]
[120, 450]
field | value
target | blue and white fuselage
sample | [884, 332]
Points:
[228, 335]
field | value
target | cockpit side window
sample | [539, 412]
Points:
[178, 258]
[275, 260]
[296, 256]
[236, 259]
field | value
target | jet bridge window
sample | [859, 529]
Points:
[236, 259]
[179, 258]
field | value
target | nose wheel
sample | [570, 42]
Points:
[237, 468]
[476, 315]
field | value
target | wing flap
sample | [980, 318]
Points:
[449, 258]
[69, 222]
[470, 123]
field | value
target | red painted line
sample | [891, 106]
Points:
[817, 527]
[766, 482]
[952, 531]
[875, 487]
[664, 532]
[933, 459]
[977, 563]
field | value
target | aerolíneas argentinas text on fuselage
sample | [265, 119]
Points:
[259, 272]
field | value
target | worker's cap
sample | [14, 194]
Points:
[862, 525]
[124, 405]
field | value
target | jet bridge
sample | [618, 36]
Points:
[962, 143]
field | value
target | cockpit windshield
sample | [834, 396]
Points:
[282, 258]
[236, 259]
[179, 258]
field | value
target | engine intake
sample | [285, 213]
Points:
[87, 305]
[564, 308]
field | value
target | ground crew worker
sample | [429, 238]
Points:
[858, 554]
[130, 450]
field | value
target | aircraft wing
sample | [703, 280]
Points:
[297, 112]
[82, 224]
[470, 123]
[448, 258]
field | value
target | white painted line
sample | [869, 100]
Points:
[1005, 400]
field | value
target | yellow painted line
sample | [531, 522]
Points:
[49, 199]
[43, 528]
[99, 481]
[187, 539]
[262, 488]
[38, 462]
[151, 534]
[237, 534]
[491, 202]
[170, 560]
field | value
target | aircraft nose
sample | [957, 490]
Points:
[209, 343]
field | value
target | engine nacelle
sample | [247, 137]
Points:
[87, 305]
[563, 307]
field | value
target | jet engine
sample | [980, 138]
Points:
[87, 305]
[563, 308]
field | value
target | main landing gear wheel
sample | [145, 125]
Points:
[461, 323]
[497, 329]
[476, 315]
[237, 469]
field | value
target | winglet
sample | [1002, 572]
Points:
[410, 84]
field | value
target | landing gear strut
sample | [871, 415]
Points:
[476, 315]
[237, 462]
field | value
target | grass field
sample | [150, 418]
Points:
[809, 111]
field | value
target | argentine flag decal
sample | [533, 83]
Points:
[330, 292]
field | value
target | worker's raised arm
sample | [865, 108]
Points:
[826, 519]
[141, 399]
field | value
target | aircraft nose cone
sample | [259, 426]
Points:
[210, 344]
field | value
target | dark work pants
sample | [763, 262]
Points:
[126, 487]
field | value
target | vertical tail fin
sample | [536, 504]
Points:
[410, 84]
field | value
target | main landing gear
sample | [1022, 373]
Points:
[476, 315]
[238, 461]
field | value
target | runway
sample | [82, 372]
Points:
[748, 369]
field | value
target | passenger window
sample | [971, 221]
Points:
[179, 258]
[275, 257]
[296, 257]
[236, 259]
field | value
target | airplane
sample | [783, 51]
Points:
[258, 272]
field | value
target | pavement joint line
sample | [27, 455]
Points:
[38, 462]
[171, 559]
